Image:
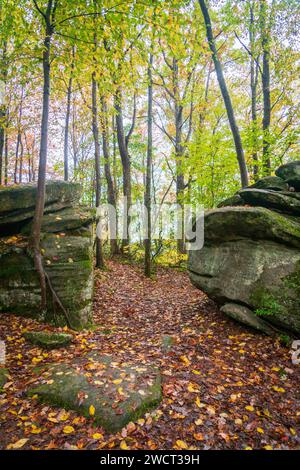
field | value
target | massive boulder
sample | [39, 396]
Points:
[250, 261]
[66, 241]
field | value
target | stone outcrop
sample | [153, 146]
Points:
[250, 262]
[66, 243]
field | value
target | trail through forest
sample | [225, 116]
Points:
[224, 386]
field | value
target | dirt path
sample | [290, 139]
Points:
[224, 386]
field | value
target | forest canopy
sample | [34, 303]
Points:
[119, 45]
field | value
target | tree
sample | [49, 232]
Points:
[226, 97]
[149, 170]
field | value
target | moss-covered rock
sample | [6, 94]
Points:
[120, 395]
[271, 182]
[17, 198]
[289, 170]
[3, 377]
[48, 340]
[66, 242]
[250, 261]
[283, 202]
[64, 220]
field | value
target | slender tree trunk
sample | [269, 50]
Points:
[67, 123]
[99, 247]
[265, 34]
[34, 243]
[6, 160]
[3, 109]
[19, 140]
[226, 97]
[253, 85]
[179, 152]
[111, 195]
[126, 165]
[148, 181]
[21, 160]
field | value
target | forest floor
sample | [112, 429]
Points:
[224, 386]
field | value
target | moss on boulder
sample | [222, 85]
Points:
[120, 395]
[48, 340]
[250, 261]
[3, 377]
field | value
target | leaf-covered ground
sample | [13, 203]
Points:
[224, 386]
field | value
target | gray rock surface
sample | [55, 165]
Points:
[251, 258]
[66, 242]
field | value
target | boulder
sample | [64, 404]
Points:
[294, 182]
[244, 315]
[122, 392]
[48, 340]
[67, 248]
[234, 200]
[289, 170]
[250, 261]
[22, 197]
[281, 201]
[271, 182]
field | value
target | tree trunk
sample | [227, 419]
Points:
[99, 247]
[266, 88]
[3, 110]
[226, 97]
[179, 152]
[111, 194]
[253, 86]
[19, 140]
[21, 160]
[68, 111]
[34, 243]
[147, 196]
[126, 165]
[6, 160]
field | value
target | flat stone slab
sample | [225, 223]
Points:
[97, 387]
[48, 340]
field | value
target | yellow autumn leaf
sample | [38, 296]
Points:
[124, 446]
[293, 432]
[117, 381]
[68, 429]
[97, 435]
[249, 408]
[198, 422]
[181, 444]
[260, 430]
[198, 402]
[185, 360]
[193, 388]
[278, 389]
[268, 447]
[92, 410]
[17, 445]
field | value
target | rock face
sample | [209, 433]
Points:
[67, 253]
[250, 262]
